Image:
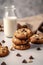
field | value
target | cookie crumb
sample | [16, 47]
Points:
[18, 55]
[12, 48]
[30, 61]
[38, 48]
[3, 63]
[24, 61]
[3, 41]
[31, 57]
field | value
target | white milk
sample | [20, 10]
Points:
[10, 25]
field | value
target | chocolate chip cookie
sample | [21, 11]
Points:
[37, 38]
[3, 51]
[23, 33]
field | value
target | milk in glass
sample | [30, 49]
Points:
[10, 22]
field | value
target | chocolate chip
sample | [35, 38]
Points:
[25, 26]
[0, 26]
[24, 61]
[3, 63]
[3, 41]
[18, 55]
[19, 26]
[0, 44]
[37, 38]
[1, 30]
[23, 30]
[38, 48]
[31, 57]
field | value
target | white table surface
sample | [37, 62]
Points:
[12, 59]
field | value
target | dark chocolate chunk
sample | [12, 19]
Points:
[38, 48]
[23, 30]
[31, 57]
[3, 63]
[3, 41]
[24, 61]
[1, 30]
[37, 38]
[24, 26]
[19, 26]
[0, 26]
[0, 44]
[6, 47]
[18, 55]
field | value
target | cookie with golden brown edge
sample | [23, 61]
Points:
[19, 42]
[3, 51]
[23, 33]
[37, 38]
[21, 47]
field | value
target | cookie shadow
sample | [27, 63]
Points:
[36, 45]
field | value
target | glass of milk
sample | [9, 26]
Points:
[10, 21]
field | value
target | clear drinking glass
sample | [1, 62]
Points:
[10, 21]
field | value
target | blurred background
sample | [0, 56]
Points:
[24, 8]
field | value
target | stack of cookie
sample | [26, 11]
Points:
[21, 39]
